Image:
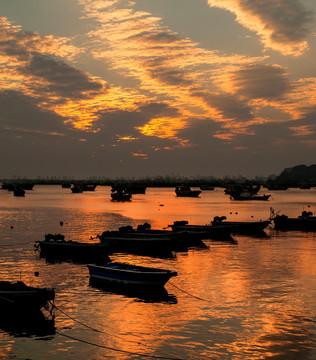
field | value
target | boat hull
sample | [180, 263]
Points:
[282, 222]
[128, 275]
[68, 250]
[20, 297]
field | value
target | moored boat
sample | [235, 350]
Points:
[54, 247]
[185, 191]
[246, 197]
[17, 296]
[130, 275]
[77, 189]
[242, 227]
[120, 195]
[305, 222]
[207, 231]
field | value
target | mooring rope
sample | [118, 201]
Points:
[119, 350]
[194, 296]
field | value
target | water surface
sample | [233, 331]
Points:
[250, 300]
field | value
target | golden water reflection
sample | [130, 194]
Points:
[254, 299]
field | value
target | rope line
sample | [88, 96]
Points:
[196, 297]
[92, 328]
[118, 350]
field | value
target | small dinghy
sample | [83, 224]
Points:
[130, 275]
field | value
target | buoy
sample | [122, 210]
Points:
[36, 273]
[61, 223]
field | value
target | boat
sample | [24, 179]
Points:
[242, 227]
[237, 189]
[131, 275]
[305, 222]
[77, 188]
[54, 247]
[19, 297]
[208, 231]
[247, 196]
[120, 195]
[185, 191]
[18, 191]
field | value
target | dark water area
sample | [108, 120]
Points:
[253, 299]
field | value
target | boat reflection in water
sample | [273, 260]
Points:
[28, 324]
[152, 295]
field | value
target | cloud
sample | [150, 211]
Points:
[62, 79]
[261, 81]
[283, 25]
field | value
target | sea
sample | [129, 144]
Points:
[254, 298]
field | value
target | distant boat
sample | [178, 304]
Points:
[54, 247]
[245, 196]
[77, 188]
[305, 222]
[120, 195]
[18, 191]
[131, 275]
[66, 185]
[237, 189]
[185, 191]
[17, 296]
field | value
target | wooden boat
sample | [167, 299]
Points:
[207, 231]
[246, 196]
[185, 191]
[242, 227]
[17, 296]
[130, 275]
[56, 248]
[305, 222]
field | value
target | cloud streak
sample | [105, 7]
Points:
[283, 25]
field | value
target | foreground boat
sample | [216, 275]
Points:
[54, 247]
[130, 275]
[242, 227]
[19, 297]
[305, 222]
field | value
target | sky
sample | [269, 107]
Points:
[115, 88]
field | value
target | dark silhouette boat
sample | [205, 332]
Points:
[120, 195]
[77, 188]
[185, 191]
[242, 227]
[54, 247]
[247, 197]
[305, 222]
[17, 297]
[18, 191]
[208, 231]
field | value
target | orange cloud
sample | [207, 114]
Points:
[282, 25]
